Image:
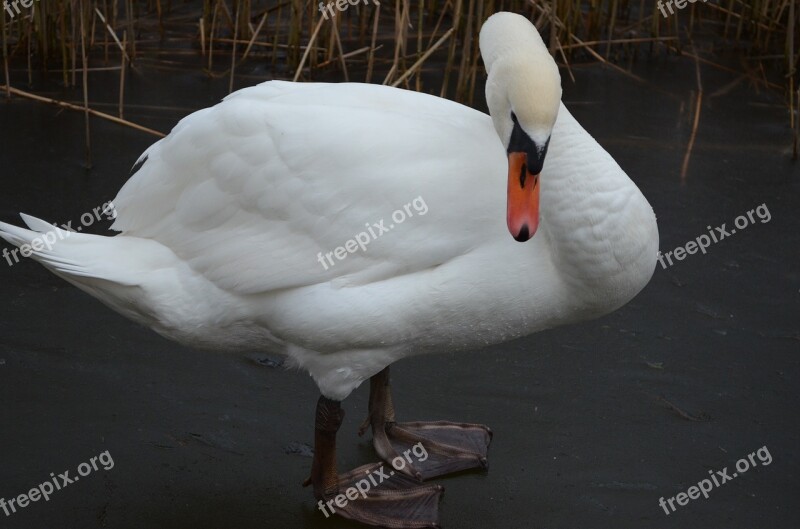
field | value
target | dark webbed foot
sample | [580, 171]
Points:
[373, 494]
[448, 447]
[425, 449]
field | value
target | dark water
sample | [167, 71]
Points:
[593, 423]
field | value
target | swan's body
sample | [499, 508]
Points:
[223, 223]
[227, 222]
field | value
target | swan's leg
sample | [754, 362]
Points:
[324, 476]
[371, 494]
[422, 449]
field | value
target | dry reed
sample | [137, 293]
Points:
[401, 41]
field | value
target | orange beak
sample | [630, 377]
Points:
[523, 198]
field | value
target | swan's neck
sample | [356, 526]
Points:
[601, 230]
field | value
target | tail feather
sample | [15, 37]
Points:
[140, 278]
[37, 224]
[102, 266]
[120, 259]
[68, 254]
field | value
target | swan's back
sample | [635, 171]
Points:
[250, 191]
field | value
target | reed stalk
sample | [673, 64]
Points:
[394, 42]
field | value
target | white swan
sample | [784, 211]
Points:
[225, 220]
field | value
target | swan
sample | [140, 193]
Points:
[230, 229]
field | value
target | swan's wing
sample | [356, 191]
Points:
[258, 192]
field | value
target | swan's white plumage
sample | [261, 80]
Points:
[223, 222]
[295, 170]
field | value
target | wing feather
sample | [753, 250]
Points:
[252, 192]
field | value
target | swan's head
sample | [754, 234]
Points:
[523, 92]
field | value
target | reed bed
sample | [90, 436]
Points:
[424, 45]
